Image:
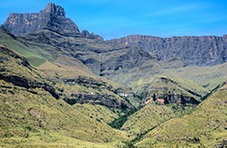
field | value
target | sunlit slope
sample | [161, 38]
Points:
[45, 56]
[205, 126]
[208, 77]
[10, 41]
[32, 114]
[147, 118]
[35, 116]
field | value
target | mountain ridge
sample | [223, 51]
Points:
[192, 50]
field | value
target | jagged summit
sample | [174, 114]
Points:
[52, 8]
[52, 17]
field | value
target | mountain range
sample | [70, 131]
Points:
[62, 87]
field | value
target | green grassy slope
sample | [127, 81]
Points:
[9, 41]
[205, 126]
[146, 118]
[97, 112]
[195, 78]
[208, 77]
[32, 117]
[150, 116]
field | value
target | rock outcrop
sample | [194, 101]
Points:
[111, 99]
[19, 80]
[167, 91]
[26, 83]
[105, 100]
[192, 50]
[23, 60]
[52, 17]
[89, 35]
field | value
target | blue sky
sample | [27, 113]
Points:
[118, 18]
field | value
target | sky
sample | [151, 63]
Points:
[119, 18]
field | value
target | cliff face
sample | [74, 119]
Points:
[101, 58]
[192, 50]
[165, 90]
[52, 17]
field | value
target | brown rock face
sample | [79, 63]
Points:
[192, 50]
[52, 17]
[167, 91]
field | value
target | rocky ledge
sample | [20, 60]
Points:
[26, 83]
[112, 99]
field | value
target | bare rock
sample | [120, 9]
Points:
[192, 50]
[52, 17]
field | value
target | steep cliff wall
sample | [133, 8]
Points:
[193, 50]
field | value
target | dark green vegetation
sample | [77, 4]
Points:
[60, 87]
[118, 122]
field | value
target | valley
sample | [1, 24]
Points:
[62, 87]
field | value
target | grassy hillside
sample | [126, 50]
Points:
[9, 41]
[208, 77]
[97, 112]
[205, 126]
[57, 66]
[195, 78]
[151, 116]
[45, 56]
[147, 118]
[32, 116]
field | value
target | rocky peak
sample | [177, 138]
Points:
[52, 8]
[52, 17]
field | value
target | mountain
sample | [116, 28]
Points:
[125, 64]
[52, 17]
[62, 87]
[192, 50]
